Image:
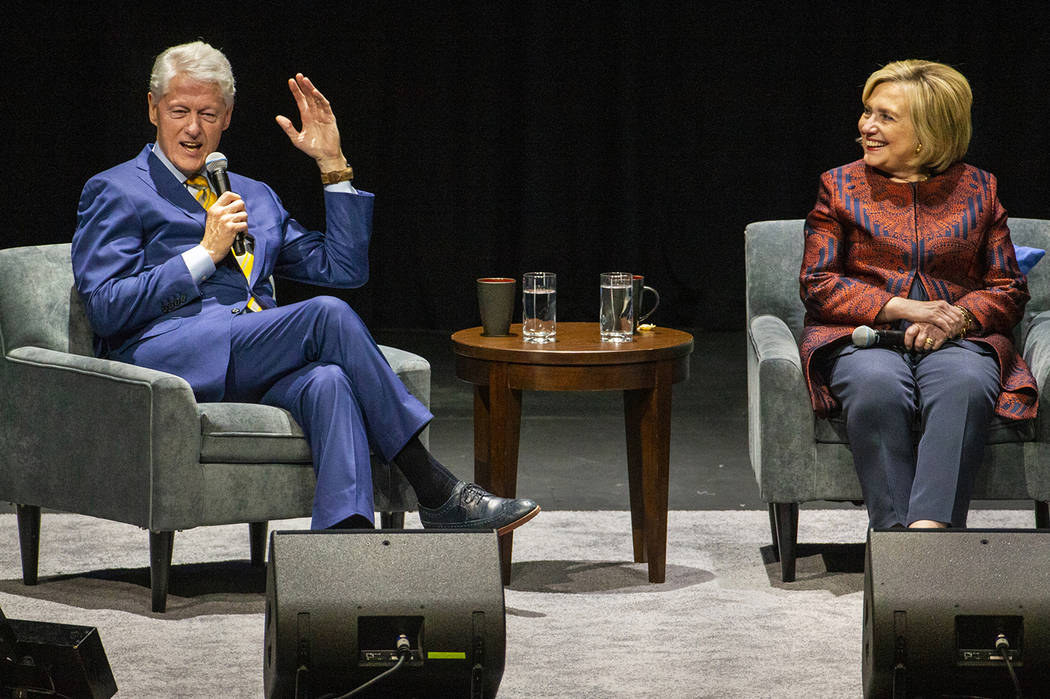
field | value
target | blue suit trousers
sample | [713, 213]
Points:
[948, 396]
[317, 360]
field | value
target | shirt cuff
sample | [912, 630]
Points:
[199, 263]
[344, 186]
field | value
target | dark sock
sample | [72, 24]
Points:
[353, 522]
[432, 482]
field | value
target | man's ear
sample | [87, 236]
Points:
[229, 116]
[152, 108]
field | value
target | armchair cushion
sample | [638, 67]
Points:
[249, 433]
[261, 434]
[833, 431]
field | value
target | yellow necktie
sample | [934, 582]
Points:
[206, 197]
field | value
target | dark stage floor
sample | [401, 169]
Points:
[572, 454]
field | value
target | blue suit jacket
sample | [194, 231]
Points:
[133, 223]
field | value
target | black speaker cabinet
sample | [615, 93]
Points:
[337, 601]
[937, 601]
[48, 660]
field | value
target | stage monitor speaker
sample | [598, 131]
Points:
[939, 605]
[44, 659]
[338, 601]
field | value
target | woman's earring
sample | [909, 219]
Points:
[918, 148]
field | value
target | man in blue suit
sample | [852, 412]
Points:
[153, 262]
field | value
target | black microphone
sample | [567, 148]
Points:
[867, 337]
[215, 167]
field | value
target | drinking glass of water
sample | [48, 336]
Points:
[538, 312]
[616, 315]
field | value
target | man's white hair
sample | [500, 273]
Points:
[196, 60]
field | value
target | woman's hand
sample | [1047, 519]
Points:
[941, 314]
[925, 337]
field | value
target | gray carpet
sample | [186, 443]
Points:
[582, 621]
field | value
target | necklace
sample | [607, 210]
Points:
[921, 178]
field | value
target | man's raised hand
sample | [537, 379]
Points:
[319, 136]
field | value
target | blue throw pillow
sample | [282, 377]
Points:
[1027, 257]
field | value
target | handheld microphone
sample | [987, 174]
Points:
[215, 167]
[867, 337]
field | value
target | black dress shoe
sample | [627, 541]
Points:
[472, 507]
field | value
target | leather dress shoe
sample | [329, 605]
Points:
[472, 507]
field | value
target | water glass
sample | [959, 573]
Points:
[539, 319]
[616, 315]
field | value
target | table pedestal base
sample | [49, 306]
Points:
[647, 420]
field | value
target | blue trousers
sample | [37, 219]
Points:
[950, 394]
[317, 360]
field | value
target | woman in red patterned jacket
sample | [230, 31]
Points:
[911, 238]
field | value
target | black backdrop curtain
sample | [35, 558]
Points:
[573, 137]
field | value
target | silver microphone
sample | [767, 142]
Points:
[864, 336]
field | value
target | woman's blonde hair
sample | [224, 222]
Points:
[939, 101]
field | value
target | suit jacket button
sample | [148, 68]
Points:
[235, 311]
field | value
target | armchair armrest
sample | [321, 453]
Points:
[773, 341]
[780, 415]
[1037, 356]
[104, 369]
[124, 437]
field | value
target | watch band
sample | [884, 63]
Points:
[334, 176]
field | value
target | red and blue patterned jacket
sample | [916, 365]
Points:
[868, 238]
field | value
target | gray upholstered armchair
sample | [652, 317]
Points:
[101, 438]
[798, 458]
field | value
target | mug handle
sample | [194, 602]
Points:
[656, 303]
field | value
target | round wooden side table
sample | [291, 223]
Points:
[500, 368]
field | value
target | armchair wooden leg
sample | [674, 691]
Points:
[257, 536]
[29, 541]
[161, 545]
[773, 529]
[786, 514]
[1042, 516]
[392, 520]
